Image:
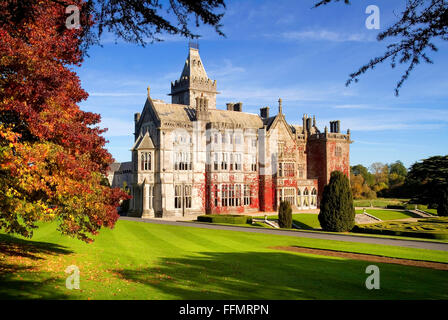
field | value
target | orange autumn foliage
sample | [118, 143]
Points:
[52, 154]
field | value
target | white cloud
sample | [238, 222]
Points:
[225, 69]
[325, 35]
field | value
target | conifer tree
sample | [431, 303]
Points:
[285, 215]
[442, 206]
[337, 212]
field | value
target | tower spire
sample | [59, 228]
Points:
[193, 81]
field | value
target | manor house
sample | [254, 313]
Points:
[191, 157]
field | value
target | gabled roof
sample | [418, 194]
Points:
[272, 123]
[143, 142]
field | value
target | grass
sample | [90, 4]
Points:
[379, 202]
[389, 214]
[307, 221]
[150, 261]
[431, 211]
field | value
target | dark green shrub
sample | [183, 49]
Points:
[393, 206]
[285, 215]
[442, 205]
[337, 212]
[225, 218]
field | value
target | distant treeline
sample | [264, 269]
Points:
[424, 182]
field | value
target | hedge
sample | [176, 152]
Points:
[393, 206]
[424, 228]
[225, 218]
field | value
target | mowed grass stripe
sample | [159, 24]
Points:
[157, 264]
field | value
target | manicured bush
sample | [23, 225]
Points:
[225, 218]
[442, 205]
[285, 215]
[337, 212]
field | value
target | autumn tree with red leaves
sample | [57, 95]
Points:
[52, 156]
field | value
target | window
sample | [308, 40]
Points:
[253, 164]
[237, 195]
[254, 143]
[145, 161]
[299, 198]
[187, 196]
[187, 189]
[289, 170]
[301, 171]
[286, 169]
[231, 161]
[151, 196]
[306, 199]
[216, 138]
[182, 161]
[224, 195]
[216, 194]
[281, 147]
[289, 195]
[231, 195]
[178, 196]
[215, 162]
[224, 161]
[238, 139]
[314, 197]
[247, 197]
[338, 151]
[237, 158]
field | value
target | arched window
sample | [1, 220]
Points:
[145, 161]
[306, 199]
[299, 198]
[314, 197]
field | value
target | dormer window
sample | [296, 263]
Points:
[145, 161]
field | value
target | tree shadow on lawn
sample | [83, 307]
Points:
[281, 275]
[19, 260]
[304, 225]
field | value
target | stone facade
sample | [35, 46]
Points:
[190, 157]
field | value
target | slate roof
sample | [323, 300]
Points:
[183, 113]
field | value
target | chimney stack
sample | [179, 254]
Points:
[264, 112]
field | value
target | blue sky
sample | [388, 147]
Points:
[285, 49]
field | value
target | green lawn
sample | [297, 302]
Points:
[149, 261]
[307, 221]
[389, 214]
[431, 211]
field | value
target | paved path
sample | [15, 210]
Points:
[304, 234]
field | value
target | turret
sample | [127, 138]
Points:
[193, 82]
